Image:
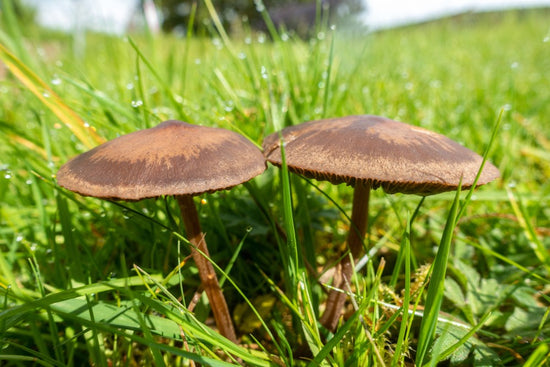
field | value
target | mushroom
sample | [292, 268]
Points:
[173, 158]
[368, 152]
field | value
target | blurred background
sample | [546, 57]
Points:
[121, 16]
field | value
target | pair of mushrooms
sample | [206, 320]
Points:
[183, 160]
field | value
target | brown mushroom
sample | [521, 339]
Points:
[173, 158]
[368, 152]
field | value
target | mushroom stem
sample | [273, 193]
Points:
[344, 270]
[209, 280]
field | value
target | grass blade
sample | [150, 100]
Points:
[436, 287]
[85, 134]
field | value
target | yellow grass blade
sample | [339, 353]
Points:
[85, 134]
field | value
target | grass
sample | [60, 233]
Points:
[453, 279]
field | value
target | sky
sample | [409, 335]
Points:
[113, 16]
[388, 13]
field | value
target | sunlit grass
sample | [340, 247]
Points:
[88, 281]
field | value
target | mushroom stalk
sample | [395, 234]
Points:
[344, 270]
[209, 280]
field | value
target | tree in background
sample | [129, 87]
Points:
[298, 16]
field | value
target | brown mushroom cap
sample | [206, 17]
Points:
[378, 151]
[173, 158]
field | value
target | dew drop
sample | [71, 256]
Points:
[263, 72]
[46, 95]
[259, 6]
[130, 86]
[217, 43]
[137, 103]
[28, 182]
[7, 176]
[56, 81]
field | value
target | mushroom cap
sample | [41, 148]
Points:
[378, 151]
[172, 158]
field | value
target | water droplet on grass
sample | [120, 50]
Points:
[46, 95]
[130, 86]
[137, 103]
[217, 43]
[56, 81]
[263, 72]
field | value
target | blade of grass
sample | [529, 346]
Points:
[436, 287]
[401, 344]
[525, 222]
[51, 323]
[93, 340]
[141, 101]
[401, 253]
[539, 357]
[328, 77]
[85, 133]
[177, 105]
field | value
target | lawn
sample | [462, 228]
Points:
[453, 279]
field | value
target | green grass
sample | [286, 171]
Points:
[84, 281]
